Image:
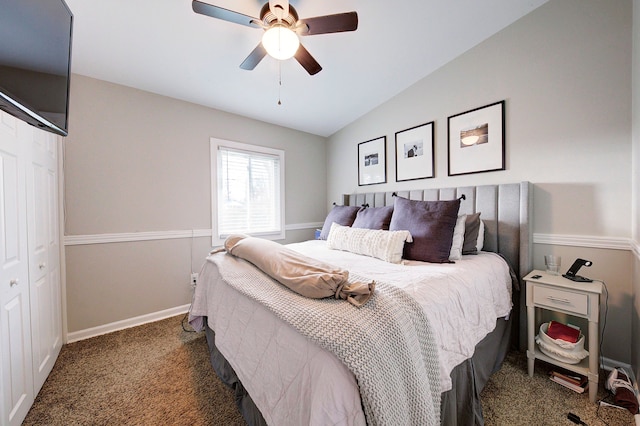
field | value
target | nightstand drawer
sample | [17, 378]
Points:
[568, 301]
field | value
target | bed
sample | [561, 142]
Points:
[281, 375]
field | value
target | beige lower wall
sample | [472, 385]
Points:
[113, 282]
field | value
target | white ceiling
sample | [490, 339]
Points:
[163, 47]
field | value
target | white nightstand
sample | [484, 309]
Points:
[556, 293]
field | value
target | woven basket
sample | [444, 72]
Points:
[567, 352]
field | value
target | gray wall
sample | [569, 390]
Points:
[565, 73]
[136, 162]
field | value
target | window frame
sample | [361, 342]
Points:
[215, 144]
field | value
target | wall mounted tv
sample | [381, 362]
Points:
[35, 62]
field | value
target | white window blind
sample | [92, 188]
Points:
[249, 190]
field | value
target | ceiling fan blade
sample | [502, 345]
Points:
[224, 14]
[331, 23]
[254, 58]
[280, 8]
[307, 61]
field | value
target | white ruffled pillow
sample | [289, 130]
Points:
[458, 238]
[480, 243]
[383, 245]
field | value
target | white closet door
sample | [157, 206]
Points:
[16, 368]
[44, 255]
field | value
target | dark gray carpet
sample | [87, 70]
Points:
[158, 374]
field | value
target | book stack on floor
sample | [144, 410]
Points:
[574, 381]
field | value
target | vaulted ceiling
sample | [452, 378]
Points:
[163, 47]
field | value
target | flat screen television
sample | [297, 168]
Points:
[35, 62]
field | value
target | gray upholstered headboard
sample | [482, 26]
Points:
[505, 210]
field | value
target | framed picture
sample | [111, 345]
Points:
[372, 161]
[414, 153]
[476, 140]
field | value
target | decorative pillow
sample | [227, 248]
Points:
[342, 215]
[383, 245]
[471, 229]
[458, 238]
[373, 218]
[480, 243]
[431, 224]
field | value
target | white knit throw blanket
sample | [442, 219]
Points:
[387, 344]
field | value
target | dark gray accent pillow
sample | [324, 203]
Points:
[342, 215]
[471, 229]
[431, 224]
[373, 218]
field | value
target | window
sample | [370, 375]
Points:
[247, 190]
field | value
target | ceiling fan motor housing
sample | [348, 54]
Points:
[269, 18]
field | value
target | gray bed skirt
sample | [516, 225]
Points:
[460, 405]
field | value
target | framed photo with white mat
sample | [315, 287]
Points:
[477, 140]
[414, 153]
[372, 161]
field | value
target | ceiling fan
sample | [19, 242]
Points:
[282, 27]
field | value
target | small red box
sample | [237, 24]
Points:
[564, 332]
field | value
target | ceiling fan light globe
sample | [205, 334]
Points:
[280, 42]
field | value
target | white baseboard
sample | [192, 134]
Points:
[128, 323]
[609, 364]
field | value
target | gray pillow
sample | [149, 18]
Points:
[373, 218]
[342, 215]
[471, 229]
[431, 224]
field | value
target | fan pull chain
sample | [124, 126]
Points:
[279, 81]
